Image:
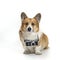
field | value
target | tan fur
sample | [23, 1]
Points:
[43, 41]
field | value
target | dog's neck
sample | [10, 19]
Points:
[31, 35]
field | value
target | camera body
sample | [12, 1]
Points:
[31, 42]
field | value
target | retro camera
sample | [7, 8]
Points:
[31, 43]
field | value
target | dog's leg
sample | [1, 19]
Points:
[38, 50]
[27, 51]
[22, 40]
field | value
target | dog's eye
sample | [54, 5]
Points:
[26, 23]
[33, 24]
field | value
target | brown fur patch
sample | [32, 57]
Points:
[43, 41]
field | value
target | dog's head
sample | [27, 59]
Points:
[30, 24]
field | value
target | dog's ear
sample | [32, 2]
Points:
[38, 17]
[23, 16]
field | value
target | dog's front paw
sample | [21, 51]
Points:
[27, 52]
[38, 52]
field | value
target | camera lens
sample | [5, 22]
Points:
[32, 43]
[28, 43]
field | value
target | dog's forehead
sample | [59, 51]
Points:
[30, 20]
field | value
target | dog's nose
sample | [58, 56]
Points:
[29, 29]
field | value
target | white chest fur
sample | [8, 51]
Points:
[32, 35]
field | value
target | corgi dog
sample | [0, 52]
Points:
[33, 40]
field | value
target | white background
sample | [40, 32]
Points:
[10, 21]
